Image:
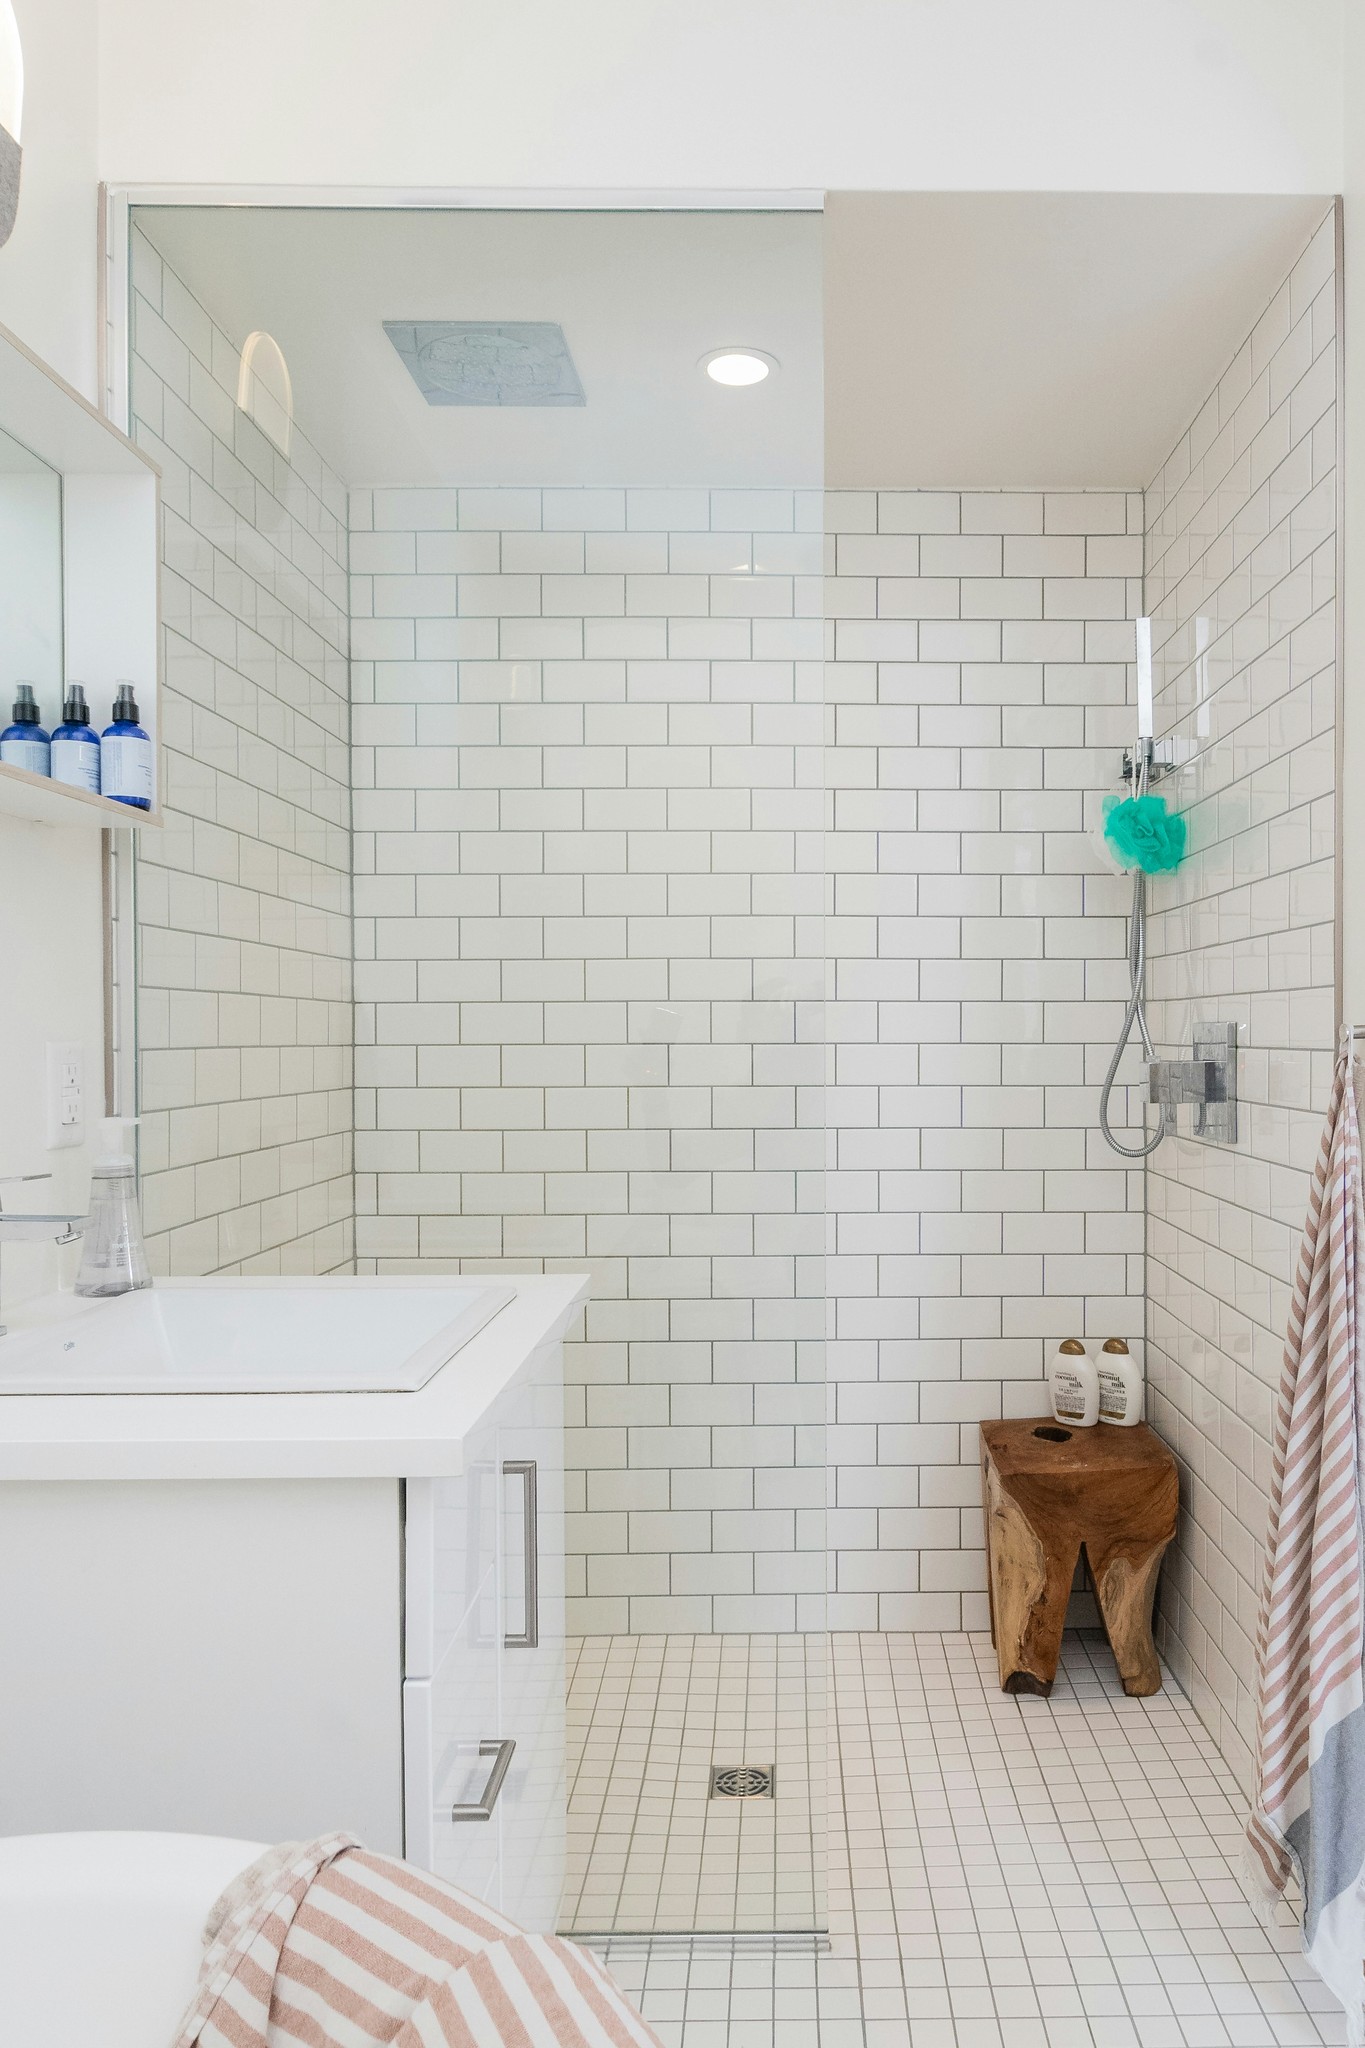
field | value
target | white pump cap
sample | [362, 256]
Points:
[115, 1153]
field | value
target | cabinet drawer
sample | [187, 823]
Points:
[450, 1723]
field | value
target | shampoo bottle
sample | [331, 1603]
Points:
[114, 1258]
[126, 754]
[25, 744]
[1074, 1385]
[75, 744]
[1120, 1384]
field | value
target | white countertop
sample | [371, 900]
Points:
[279, 1436]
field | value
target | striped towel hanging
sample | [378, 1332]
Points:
[1308, 1816]
[322, 1945]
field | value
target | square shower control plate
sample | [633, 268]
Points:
[1216, 1121]
[1206, 1082]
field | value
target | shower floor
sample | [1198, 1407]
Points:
[1007, 1873]
[648, 1848]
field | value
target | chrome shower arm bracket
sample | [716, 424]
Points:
[1208, 1081]
[1146, 756]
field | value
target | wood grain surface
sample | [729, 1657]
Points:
[1048, 1491]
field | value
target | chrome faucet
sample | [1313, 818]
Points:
[17, 1227]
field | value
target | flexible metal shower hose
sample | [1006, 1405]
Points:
[1136, 1010]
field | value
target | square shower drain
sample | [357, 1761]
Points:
[742, 1781]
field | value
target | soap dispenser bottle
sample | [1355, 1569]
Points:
[1120, 1384]
[114, 1259]
[25, 744]
[76, 744]
[1074, 1385]
[126, 754]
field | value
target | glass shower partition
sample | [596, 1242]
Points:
[584, 653]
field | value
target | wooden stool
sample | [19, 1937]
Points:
[1047, 1489]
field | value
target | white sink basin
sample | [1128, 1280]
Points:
[252, 1337]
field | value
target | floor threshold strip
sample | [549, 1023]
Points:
[718, 1943]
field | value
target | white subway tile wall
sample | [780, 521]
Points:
[244, 987]
[1241, 581]
[588, 765]
[981, 682]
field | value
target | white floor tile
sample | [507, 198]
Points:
[1001, 1872]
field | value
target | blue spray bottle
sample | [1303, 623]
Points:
[76, 745]
[126, 754]
[25, 744]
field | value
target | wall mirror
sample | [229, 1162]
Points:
[30, 577]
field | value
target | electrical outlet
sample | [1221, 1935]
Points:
[65, 1096]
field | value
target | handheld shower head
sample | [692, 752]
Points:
[1146, 717]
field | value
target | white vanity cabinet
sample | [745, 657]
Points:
[270, 1617]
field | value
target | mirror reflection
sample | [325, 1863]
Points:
[30, 578]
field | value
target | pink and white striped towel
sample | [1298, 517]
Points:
[322, 1944]
[1309, 1810]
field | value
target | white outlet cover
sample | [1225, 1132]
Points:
[65, 1095]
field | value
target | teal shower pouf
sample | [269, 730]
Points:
[1142, 833]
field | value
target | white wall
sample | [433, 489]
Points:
[980, 685]
[587, 805]
[244, 999]
[1170, 95]
[47, 268]
[1241, 585]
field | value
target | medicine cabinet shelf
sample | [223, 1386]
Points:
[80, 515]
[45, 802]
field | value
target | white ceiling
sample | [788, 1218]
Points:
[989, 339]
[640, 296]
[1018, 339]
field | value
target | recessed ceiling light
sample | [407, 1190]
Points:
[738, 365]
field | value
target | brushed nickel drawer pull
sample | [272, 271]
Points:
[482, 1809]
[530, 1635]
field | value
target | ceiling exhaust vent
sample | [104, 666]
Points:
[488, 362]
